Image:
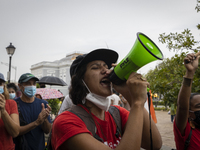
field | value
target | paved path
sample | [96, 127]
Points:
[166, 130]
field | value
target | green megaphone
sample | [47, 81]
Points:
[143, 52]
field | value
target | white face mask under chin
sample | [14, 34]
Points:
[100, 101]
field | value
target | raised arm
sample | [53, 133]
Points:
[191, 64]
[46, 125]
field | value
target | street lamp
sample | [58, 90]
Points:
[155, 97]
[10, 50]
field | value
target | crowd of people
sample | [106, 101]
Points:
[25, 119]
[96, 114]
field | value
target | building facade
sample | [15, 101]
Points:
[59, 68]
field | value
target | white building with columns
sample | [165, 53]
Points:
[58, 68]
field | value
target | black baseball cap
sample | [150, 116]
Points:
[27, 76]
[107, 55]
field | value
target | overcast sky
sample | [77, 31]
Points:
[47, 30]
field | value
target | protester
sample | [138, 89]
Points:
[90, 90]
[172, 112]
[187, 119]
[9, 118]
[12, 89]
[67, 103]
[38, 96]
[61, 98]
[18, 93]
[35, 113]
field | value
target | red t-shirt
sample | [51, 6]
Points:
[68, 124]
[180, 140]
[6, 140]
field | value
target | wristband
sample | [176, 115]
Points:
[187, 81]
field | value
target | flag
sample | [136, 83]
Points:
[152, 111]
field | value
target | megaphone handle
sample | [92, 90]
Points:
[198, 53]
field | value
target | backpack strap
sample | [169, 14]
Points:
[87, 119]
[90, 124]
[20, 141]
[21, 118]
[114, 111]
[187, 142]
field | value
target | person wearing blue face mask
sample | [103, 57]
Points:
[35, 113]
[9, 118]
[12, 89]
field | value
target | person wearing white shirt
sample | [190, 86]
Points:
[67, 103]
[115, 99]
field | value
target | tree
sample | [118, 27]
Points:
[37, 85]
[181, 41]
[167, 77]
[54, 104]
[198, 6]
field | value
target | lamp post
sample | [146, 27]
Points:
[10, 50]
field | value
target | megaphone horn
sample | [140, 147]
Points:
[143, 52]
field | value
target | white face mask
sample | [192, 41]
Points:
[100, 101]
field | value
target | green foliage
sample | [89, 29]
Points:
[179, 41]
[167, 77]
[158, 103]
[198, 6]
[37, 85]
[54, 104]
[161, 109]
[198, 26]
